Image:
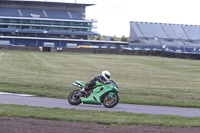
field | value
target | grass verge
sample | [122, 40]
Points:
[141, 79]
[100, 117]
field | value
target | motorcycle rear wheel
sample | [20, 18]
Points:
[110, 102]
[73, 99]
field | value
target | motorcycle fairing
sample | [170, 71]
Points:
[95, 97]
[80, 83]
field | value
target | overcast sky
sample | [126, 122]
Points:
[114, 16]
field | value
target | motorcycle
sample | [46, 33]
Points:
[106, 94]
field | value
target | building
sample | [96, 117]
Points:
[165, 37]
[44, 23]
[44, 19]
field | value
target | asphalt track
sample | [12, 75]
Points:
[63, 103]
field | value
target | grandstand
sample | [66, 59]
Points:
[45, 23]
[44, 19]
[165, 37]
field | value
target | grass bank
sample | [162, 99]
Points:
[100, 117]
[141, 79]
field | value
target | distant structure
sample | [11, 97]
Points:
[44, 23]
[44, 19]
[47, 23]
[165, 37]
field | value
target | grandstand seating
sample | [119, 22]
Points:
[84, 33]
[28, 12]
[45, 13]
[191, 44]
[193, 32]
[166, 30]
[58, 14]
[172, 43]
[4, 11]
[167, 35]
[59, 32]
[150, 41]
[152, 30]
[174, 31]
[136, 29]
[9, 29]
[77, 15]
[32, 31]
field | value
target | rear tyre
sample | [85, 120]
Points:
[73, 99]
[109, 102]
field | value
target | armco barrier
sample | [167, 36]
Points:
[19, 48]
[132, 52]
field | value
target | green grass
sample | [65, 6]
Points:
[141, 79]
[100, 117]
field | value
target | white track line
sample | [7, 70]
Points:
[15, 94]
[1, 55]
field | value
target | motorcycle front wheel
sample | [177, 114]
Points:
[73, 99]
[109, 102]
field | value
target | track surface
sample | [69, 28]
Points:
[63, 103]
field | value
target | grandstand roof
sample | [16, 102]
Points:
[45, 3]
[43, 9]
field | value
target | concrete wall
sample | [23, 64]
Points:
[20, 48]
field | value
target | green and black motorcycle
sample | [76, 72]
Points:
[106, 94]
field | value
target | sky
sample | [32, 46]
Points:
[114, 16]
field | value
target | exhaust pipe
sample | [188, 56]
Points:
[77, 85]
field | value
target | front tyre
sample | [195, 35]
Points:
[73, 99]
[109, 102]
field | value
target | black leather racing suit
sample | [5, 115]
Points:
[90, 85]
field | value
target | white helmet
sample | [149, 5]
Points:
[106, 74]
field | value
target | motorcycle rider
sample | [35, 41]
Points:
[103, 78]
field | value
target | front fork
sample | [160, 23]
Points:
[111, 94]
